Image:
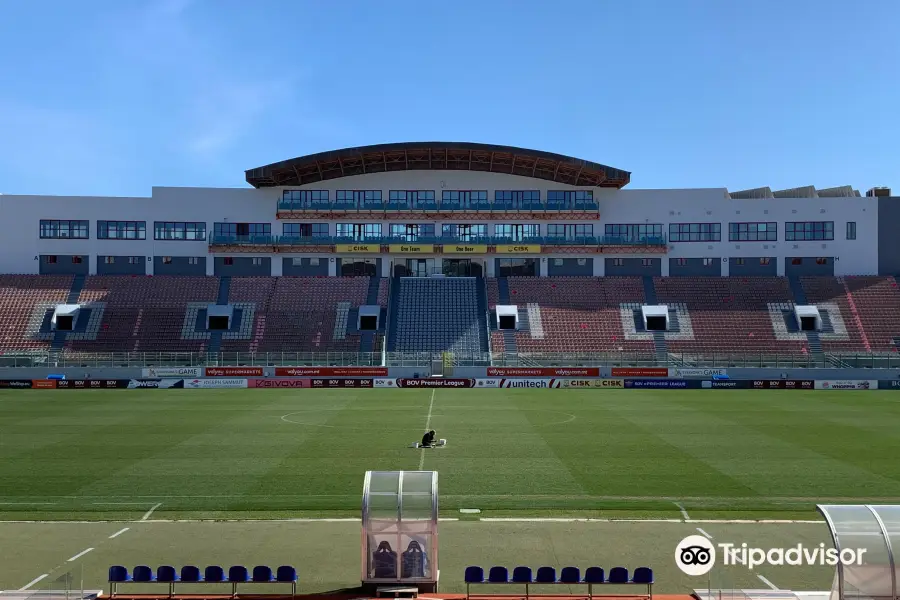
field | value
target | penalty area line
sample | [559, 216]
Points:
[33, 581]
[684, 513]
[150, 512]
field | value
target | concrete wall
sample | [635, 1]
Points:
[305, 268]
[243, 266]
[570, 266]
[180, 265]
[702, 267]
[122, 265]
[632, 267]
[809, 266]
[752, 267]
[63, 265]
[888, 236]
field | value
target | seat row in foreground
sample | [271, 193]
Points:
[568, 576]
[191, 574]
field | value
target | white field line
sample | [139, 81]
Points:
[443, 519]
[32, 582]
[28, 503]
[427, 425]
[119, 532]
[767, 582]
[706, 535]
[79, 555]
[150, 512]
[684, 513]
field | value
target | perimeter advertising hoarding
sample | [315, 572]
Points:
[22, 384]
[331, 372]
[530, 383]
[731, 384]
[593, 383]
[234, 372]
[435, 383]
[163, 372]
[847, 384]
[889, 385]
[158, 384]
[481, 383]
[279, 382]
[783, 384]
[680, 373]
[43, 384]
[341, 383]
[639, 372]
[206, 384]
[92, 384]
[662, 384]
[543, 372]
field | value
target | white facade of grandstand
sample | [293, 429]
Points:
[705, 231]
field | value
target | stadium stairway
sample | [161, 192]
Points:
[393, 309]
[367, 338]
[812, 337]
[59, 338]
[440, 314]
[215, 337]
[509, 336]
[659, 337]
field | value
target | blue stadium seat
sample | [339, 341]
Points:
[117, 574]
[545, 575]
[215, 574]
[167, 574]
[262, 574]
[570, 575]
[287, 574]
[473, 575]
[237, 574]
[191, 574]
[644, 575]
[594, 575]
[522, 575]
[498, 575]
[143, 574]
[618, 575]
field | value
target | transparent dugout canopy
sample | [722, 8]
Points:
[875, 529]
[399, 527]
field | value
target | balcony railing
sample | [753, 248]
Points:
[46, 360]
[269, 240]
[434, 206]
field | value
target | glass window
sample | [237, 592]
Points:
[753, 232]
[179, 230]
[809, 231]
[412, 233]
[53, 229]
[305, 230]
[465, 232]
[695, 232]
[359, 231]
[628, 232]
[304, 197]
[505, 199]
[242, 229]
[121, 230]
[570, 232]
[517, 233]
[570, 199]
[466, 199]
[851, 230]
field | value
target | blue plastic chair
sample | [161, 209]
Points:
[594, 576]
[498, 575]
[473, 575]
[522, 575]
[262, 574]
[545, 575]
[117, 574]
[215, 574]
[618, 575]
[191, 574]
[237, 574]
[167, 574]
[287, 574]
[143, 574]
[644, 575]
[570, 575]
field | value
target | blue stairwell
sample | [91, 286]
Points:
[392, 314]
[483, 315]
[59, 338]
[659, 337]
[215, 337]
[509, 336]
[367, 339]
[812, 337]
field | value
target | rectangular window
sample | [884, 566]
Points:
[637, 232]
[59, 230]
[167, 260]
[618, 262]
[647, 262]
[305, 230]
[76, 260]
[192, 260]
[359, 231]
[796, 231]
[681, 262]
[412, 232]
[821, 261]
[358, 198]
[512, 199]
[305, 198]
[109, 260]
[851, 230]
[242, 230]
[517, 233]
[415, 199]
[121, 230]
[464, 199]
[50, 259]
[753, 232]
[569, 232]
[257, 261]
[314, 262]
[134, 260]
[763, 261]
[695, 232]
[179, 230]
[228, 261]
[708, 262]
[465, 233]
[569, 199]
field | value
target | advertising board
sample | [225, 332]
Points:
[662, 384]
[435, 383]
[530, 383]
[22, 384]
[206, 384]
[487, 383]
[543, 372]
[783, 384]
[340, 383]
[91, 384]
[331, 372]
[731, 384]
[593, 383]
[159, 384]
[679, 373]
[234, 372]
[847, 384]
[639, 372]
[889, 385]
[43, 384]
[279, 382]
[163, 372]
[385, 383]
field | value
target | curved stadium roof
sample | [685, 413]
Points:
[453, 156]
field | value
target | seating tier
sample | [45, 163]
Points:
[831, 289]
[20, 296]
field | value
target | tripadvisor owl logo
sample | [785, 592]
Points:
[695, 555]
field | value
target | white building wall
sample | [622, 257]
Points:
[21, 244]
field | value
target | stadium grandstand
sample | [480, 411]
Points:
[479, 254]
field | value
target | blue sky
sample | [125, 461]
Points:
[111, 97]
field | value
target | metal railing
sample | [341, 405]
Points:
[424, 359]
[284, 240]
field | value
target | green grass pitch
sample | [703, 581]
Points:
[197, 454]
